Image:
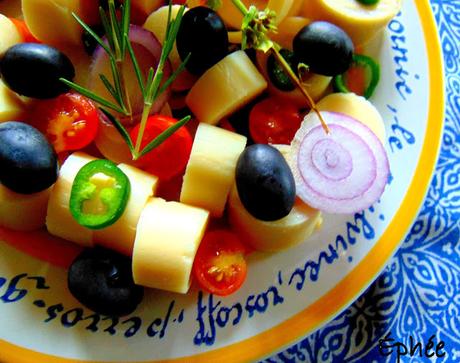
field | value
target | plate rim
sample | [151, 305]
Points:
[362, 276]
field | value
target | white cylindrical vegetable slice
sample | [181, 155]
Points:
[12, 106]
[9, 34]
[289, 231]
[288, 29]
[225, 87]
[357, 107]
[121, 235]
[51, 21]
[59, 220]
[23, 212]
[211, 168]
[296, 8]
[361, 22]
[168, 236]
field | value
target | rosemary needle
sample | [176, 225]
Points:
[255, 27]
[117, 46]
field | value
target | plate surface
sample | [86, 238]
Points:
[288, 294]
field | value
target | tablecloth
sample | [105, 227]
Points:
[412, 311]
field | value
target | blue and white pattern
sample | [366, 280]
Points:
[417, 297]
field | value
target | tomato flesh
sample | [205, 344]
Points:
[70, 121]
[169, 158]
[220, 266]
[356, 79]
[273, 121]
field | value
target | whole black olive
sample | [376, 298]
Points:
[102, 280]
[33, 70]
[265, 183]
[203, 35]
[28, 163]
[324, 47]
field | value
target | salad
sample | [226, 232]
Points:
[170, 141]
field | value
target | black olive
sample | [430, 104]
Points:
[276, 73]
[28, 163]
[33, 70]
[102, 281]
[325, 48]
[203, 35]
[265, 183]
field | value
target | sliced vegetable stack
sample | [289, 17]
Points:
[105, 112]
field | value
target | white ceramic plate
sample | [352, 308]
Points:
[287, 295]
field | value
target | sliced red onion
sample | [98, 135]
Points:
[148, 51]
[342, 172]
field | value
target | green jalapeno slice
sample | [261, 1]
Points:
[362, 78]
[99, 194]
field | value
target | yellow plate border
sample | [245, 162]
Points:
[362, 275]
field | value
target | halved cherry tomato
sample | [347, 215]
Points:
[70, 121]
[26, 35]
[220, 266]
[274, 121]
[169, 158]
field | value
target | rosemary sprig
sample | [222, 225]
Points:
[255, 28]
[118, 46]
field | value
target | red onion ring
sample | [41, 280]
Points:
[148, 52]
[343, 172]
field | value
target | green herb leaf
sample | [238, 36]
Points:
[92, 33]
[137, 69]
[171, 37]
[120, 128]
[256, 26]
[117, 82]
[91, 95]
[109, 87]
[168, 24]
[126, 14]
[118, 42]
[107, 28]
[164, 135]
[175, 74]
[153, 90]
[150, 78]
[116, 31]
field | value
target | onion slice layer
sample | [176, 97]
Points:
[342, 172]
